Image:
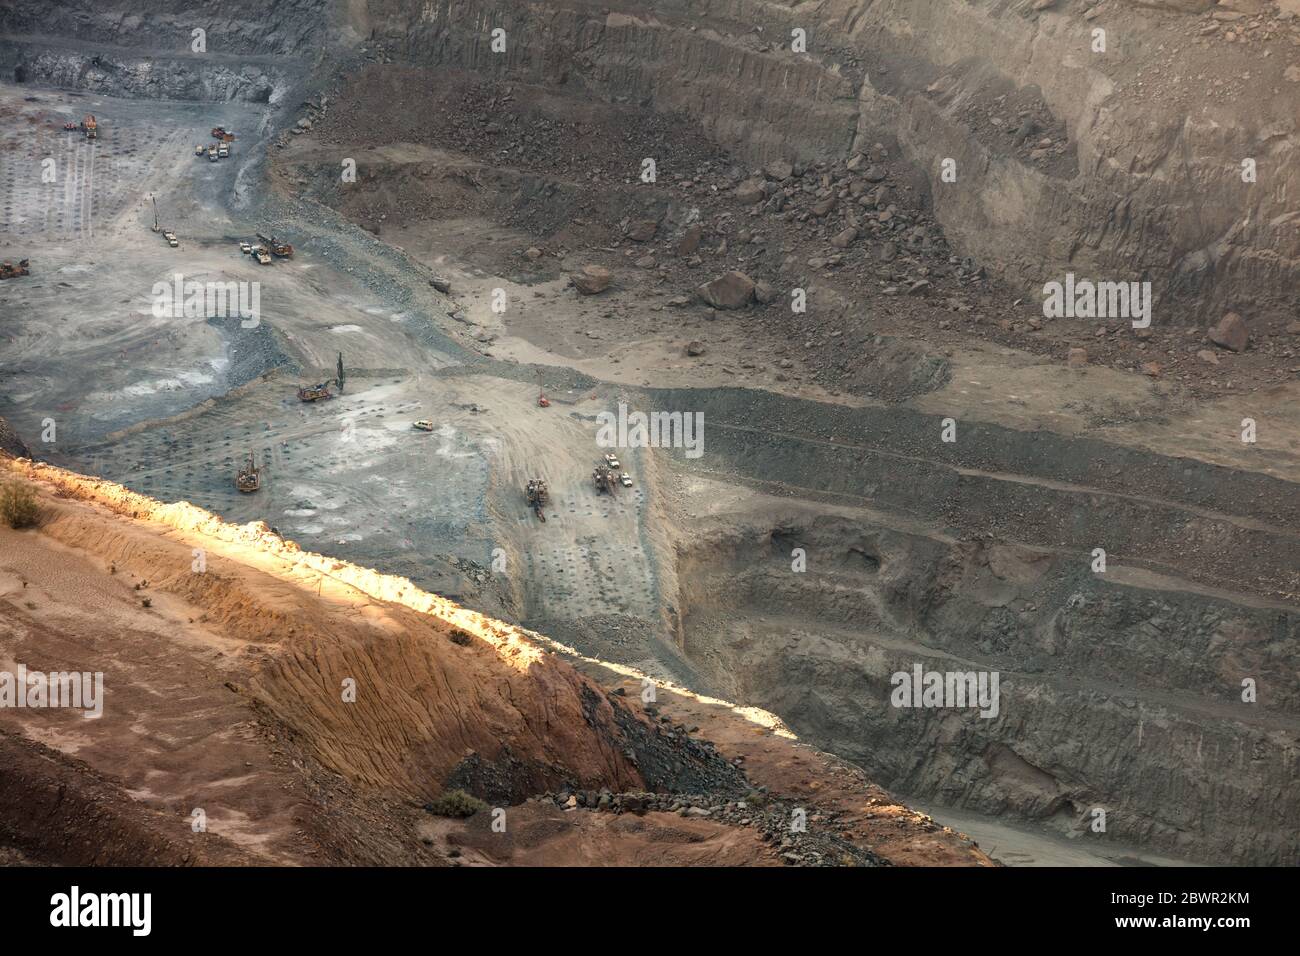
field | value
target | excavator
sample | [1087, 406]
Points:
[537, 496]
[10, 271]
[316, 393]
[281, 250]
[249, 478]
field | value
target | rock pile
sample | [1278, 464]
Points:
[801, 836]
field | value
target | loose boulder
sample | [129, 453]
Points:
[642, 230]
[1231, 333]
[778, 169]
[844, 238]
[592, 279]
[734, 290]
[750, 191]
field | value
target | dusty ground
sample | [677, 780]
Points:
[541, 835]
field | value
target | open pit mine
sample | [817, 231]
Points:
[728, 433]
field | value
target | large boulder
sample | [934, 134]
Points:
[592, 279]
[642, 230]
[824, 207]
[750, 191]
[734, 290]
[844, 238]
[1231, 333]
[779, 170]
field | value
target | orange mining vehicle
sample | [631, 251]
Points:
[314, 393]
[10, 271]
[281, 250]
[537, 496]
[90, 126]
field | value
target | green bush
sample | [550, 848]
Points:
[18, 505]
[455, 803]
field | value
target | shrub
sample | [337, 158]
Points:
[18, 505]
[455, 803]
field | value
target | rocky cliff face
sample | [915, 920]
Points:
[166, 50]
[149, 77]
[1130, 162]
[1122, 164]
[287, 28]
[11, 443]
[1157, 689]
[1156, 735]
